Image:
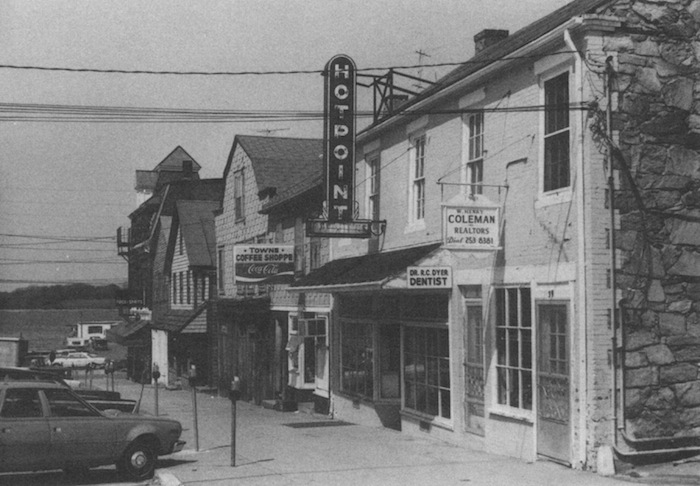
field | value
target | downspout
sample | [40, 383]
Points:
[582, 299]
[618, 400]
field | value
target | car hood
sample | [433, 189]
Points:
[137, 417]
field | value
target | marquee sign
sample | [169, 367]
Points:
[470, 227]
[256, 264]
[339, 137]
[353, 229]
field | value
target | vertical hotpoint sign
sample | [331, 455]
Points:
[339, 138]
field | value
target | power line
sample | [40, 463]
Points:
[104, 281]
[272, 72]
[52, 262]
[30, 248]
[116, 114]
[58, 239]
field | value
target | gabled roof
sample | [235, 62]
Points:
[173, 167]
[494, 53]
[280, 164]
[174, 161]
[196, 222]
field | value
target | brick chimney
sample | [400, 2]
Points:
[488, 37]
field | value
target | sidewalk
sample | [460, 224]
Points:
[283, 448]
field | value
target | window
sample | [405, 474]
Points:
[556, 133]
[21, 403]
[418, 179]
[180, 243]
[174, 284]
[373, 206]
[314, 335]
[189, 286]
[427, 371]
[181, 287]
[63, 404]
[390, 360]
[357, 355]
[315, 260]
[554, 355]
[514, 348]
[475, 153]
[238, 195]
[220, 269]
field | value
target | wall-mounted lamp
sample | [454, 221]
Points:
[377, 227]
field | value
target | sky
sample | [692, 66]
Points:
[67, 181]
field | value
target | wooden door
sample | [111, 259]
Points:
[553, 382]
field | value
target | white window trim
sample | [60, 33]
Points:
[546, 71]
[447, 423]
[465, 175]
[376, 155]
[495, 408]
[412, 223]
[300, 383]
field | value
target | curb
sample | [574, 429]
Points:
[164, 478]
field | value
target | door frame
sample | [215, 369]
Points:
[540, 349]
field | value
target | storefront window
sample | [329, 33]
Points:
[357, 359]
[427, 371]
[390, 360]
[514, 347]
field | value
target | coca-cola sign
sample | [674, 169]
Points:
[263, 263]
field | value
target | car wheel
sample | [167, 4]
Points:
[138, 462]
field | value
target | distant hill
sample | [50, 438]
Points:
[74, 296]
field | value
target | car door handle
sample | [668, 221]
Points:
[57, 429]
[5, 430]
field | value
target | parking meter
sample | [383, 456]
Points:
[109, 367]
[235, 391]
[156, 372]
[192, 375]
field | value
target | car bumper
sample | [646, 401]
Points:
[178, 446]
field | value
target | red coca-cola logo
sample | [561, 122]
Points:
[264, 269]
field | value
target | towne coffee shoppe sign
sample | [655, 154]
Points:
[263, 264]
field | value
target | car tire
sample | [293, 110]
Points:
[138, 461]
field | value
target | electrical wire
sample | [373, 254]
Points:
[94, 114]
[273, 72]
[63, 238]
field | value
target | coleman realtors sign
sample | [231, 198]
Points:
[257, 264]
[470, 227]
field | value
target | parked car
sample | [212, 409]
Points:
[100, 399]
[80, 360]
[47, 426]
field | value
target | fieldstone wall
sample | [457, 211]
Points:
[657, 123]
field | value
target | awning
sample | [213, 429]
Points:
[127, 331]
[366, 272]
[176, 320]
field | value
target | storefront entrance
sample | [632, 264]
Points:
[553, 382]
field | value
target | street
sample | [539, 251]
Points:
[283, 448]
